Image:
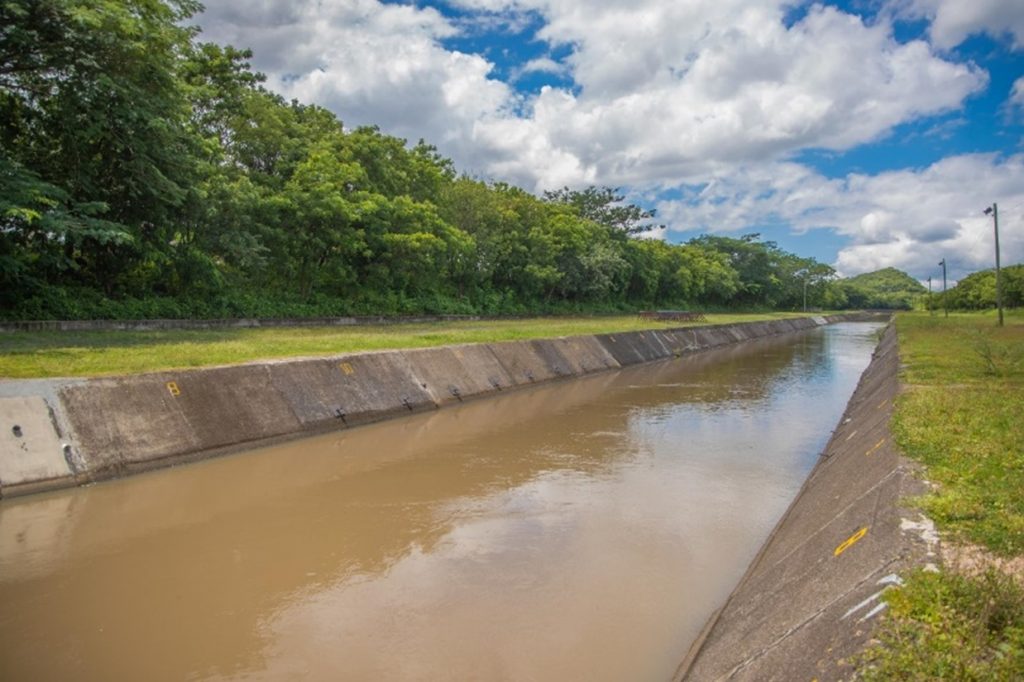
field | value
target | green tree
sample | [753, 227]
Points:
[91, 104]
[605, 206]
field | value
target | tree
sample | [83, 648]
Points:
[91, 104]
[604, 206]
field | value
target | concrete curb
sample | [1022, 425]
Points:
[808, 599]
[61, 433]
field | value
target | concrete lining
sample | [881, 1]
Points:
[116, 425]
[349, 390]
[33, 447]
[522, 362]
[453, 373]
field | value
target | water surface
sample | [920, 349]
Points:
[578, 530]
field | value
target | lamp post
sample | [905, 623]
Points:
[806, 278]
[945, 308]
[993, 210]
[931, 310]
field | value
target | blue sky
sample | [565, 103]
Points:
[867, 134]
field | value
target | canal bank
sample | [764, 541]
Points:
[62, 433]
[808, 600]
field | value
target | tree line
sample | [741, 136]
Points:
[145, 173]
[977, 291]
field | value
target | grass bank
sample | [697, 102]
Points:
[962, 415]
[74, 354]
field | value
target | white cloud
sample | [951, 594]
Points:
[666, 92]
[905, 219]
[1016, 100]
[953, 21]
[543, 65]
[368, 62]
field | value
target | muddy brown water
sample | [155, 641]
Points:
[578, 530]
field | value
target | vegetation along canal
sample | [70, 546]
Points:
[577, 530]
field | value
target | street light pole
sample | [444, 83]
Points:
[805, 293]
[945, 308]
[931, 308]
[994, 210]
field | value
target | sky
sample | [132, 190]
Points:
[865, 133]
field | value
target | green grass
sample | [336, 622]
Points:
[961, 415]
[69, 354]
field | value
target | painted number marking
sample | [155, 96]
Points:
[347, 368]
[172, 387]
[850, 541]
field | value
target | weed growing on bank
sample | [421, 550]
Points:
[961, 415]
[944, 626]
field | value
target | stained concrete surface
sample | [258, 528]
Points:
[809, 599]
[33, 449]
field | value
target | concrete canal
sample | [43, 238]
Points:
[576, 530]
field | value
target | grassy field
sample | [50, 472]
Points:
[962, 415]
[68, 354]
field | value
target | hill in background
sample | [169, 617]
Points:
[888, 288]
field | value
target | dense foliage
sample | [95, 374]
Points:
[144, 173]
[977, 291]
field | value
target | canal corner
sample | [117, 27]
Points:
[810, 599]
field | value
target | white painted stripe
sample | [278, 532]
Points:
[874, 612]
[861, 605]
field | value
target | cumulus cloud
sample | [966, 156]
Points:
[905, 219]
[675, 90]
[370, 63]
[953, 21]
[664, 91]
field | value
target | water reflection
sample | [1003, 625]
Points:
[585, 528]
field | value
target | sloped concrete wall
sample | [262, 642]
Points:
[109, 427]
[808, 601]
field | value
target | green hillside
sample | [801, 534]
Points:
[888, 288]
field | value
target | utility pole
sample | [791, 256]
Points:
[945, 307]
[931, 308]
[994, 211]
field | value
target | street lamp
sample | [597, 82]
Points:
[993, 211]
[945, 307]
[930, 306]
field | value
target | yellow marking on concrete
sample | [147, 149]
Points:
[854, 433]
[877, 445]
[172, 386]
[347, 368]
[850, 541]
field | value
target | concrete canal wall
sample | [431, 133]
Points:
[61, 433]
[809, 599]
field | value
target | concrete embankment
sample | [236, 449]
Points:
[61, 433]
[809, 599]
